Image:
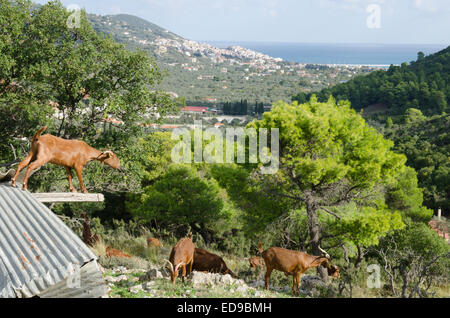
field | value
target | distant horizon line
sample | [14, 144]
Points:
[328, 43]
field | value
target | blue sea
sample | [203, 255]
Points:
[355, 54]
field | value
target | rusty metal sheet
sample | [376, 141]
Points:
[37, 250]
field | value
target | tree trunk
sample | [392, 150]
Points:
[314, 233]
[404, 274]
[359, 258]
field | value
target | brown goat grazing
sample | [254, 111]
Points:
[112, 252]
[256, 262]
[71, 154]
[153, 242]
[205, 261]
[181, 256]
[294, 263]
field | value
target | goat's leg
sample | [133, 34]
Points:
[183, 274]
[79, 171]
[22, 165]
[33, 166]
[69, 177]
[299, 280]
[268, 273]
[294, 284]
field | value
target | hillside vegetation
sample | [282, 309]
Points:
[426, 143]
[408, 104]
[424, 84]
[207, 75]
[338, 184]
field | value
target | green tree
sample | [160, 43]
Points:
[415, 257]
[420, 56]
[259, 209]
[413, 115]
[21, 112]
[389, 123]
[439, 100]
[331, 159]
[405, 195]
[87, 76]
[181, 197]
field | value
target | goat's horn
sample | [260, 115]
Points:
[109, 153]
[325, 253]
[171, 265]
[178, 266]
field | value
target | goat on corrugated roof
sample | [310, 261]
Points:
[68, 153]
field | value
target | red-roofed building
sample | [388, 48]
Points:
[441, 231]
[195, 110]
[169, 127]
[113, 121]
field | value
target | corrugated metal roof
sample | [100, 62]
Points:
[91, 284]
[37, 250]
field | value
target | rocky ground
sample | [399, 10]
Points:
[154, 282]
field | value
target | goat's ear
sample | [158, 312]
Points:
[105, 155]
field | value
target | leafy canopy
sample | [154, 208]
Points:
[333, 162]
[183, 197]
[48, 65]
[322, 144]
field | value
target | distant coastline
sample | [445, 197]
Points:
[352, 55]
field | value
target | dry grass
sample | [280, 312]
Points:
[99, 248]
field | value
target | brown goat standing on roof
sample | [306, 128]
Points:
[181, 256]
[205, 261]
[71, 154]
[294, 263]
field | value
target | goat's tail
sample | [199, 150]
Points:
[190, 235]
[38, 134]
[260, 249]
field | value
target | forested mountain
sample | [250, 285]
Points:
[423, 84]
[426, 143]
[409, 93]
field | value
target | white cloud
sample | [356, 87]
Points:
[352, 5]
[116, 10]
[426, 5]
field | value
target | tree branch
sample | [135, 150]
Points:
[423, 273]
[330, 212]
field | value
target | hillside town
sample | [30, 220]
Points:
[195, 54]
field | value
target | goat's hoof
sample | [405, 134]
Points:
[73, 191]
[85, 192]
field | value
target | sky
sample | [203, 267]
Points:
[305, 21]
